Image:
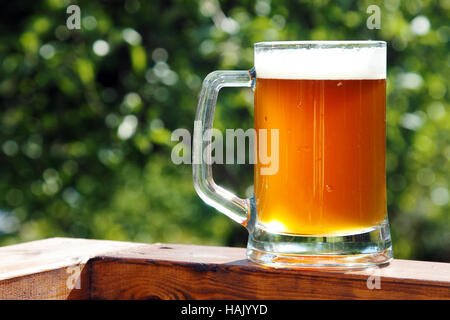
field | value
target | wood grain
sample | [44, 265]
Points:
[62, 268]
[48, 285]
[46, 269]
[165, 271]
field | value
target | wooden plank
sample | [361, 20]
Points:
[63, 268]
[168, 271]
[69, 283]
[54, 268]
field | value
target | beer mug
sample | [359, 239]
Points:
[321, 199]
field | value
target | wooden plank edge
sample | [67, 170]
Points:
[51, 254]
[115, 278]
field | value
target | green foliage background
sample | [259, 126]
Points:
[69, 167]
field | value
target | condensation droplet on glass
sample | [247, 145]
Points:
[265, 118]
[340, 84]
[328, 188]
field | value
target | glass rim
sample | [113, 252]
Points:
[310, 44]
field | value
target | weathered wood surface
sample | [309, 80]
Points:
[91, 269]
[52, 268]
[165, 271]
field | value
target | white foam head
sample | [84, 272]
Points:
[321, 60]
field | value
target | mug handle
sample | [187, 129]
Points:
[223, 200]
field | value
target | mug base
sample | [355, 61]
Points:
[365, 249]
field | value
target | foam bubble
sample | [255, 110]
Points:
[321, 63]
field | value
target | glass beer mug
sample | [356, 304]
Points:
[321, 202]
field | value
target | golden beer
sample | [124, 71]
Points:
[319, 175]
[331, 177]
